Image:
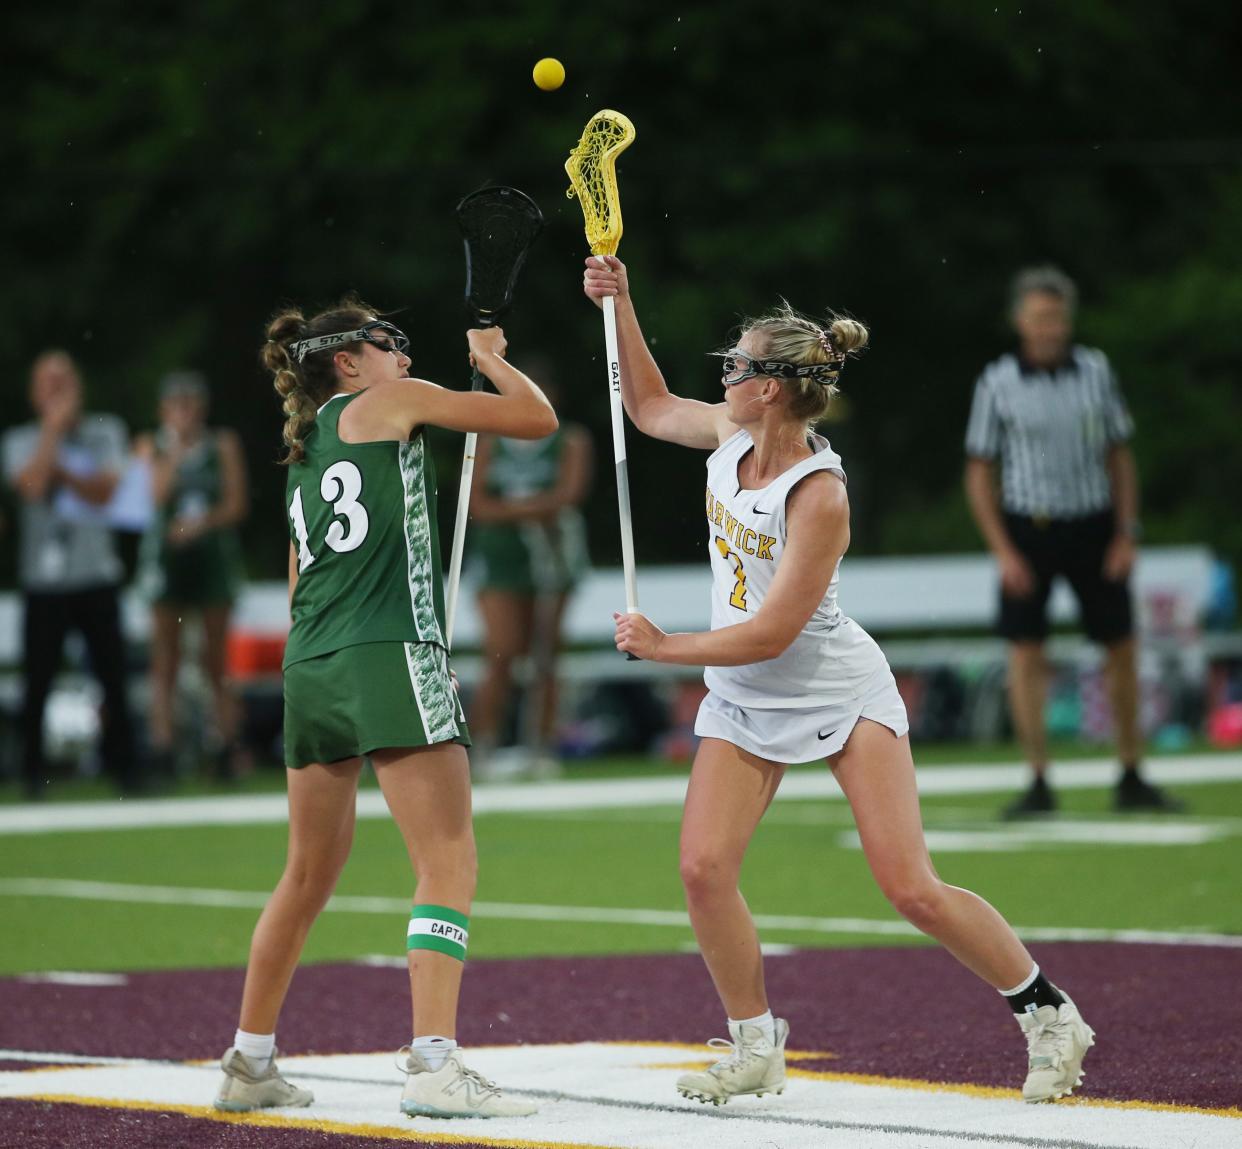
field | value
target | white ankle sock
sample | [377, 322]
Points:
[1026, 983]
[433, 1050]
[765, 1021]
[259, 1047]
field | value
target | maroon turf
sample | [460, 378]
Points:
[893, 1012]
[37, 1125]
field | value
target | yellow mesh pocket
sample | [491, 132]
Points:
[592, 170]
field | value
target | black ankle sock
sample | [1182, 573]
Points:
[1040, 992]
[1129, 775]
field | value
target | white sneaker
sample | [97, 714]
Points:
[755, 1065]
[1057, 1039]
[454, 1091]
[246, 1087]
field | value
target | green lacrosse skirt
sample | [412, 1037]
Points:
[373, 696]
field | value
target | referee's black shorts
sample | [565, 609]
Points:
[1074, 549]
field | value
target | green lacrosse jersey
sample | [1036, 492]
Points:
[203, 572]
[519, 468]
[198, 484]
[362, 518]
[531, 556]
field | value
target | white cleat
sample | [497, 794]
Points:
[454, 1091]
[1057, 1039]
[246, 1086]
[754, 1065]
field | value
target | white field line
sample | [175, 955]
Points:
[1059, 835]
[592, 915]
[621, 1095]
[587, 794]
[39, 1058]
[75, 977]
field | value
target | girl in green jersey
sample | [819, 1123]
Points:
[529, 543]
[191, 558]
[367, 676]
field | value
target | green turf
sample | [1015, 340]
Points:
[799, 864]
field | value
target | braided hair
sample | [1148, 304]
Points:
[304, 387]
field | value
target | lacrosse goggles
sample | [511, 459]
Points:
[737, 366]
[379, 333]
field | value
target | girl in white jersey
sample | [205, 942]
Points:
[792, 679]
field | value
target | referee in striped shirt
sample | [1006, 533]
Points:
[1052, 417]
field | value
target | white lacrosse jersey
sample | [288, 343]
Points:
[827, 664]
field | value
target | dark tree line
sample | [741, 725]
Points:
[174, 172]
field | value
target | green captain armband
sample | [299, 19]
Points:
[438, 928]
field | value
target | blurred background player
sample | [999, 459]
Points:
[1051, 414]
[366, 676]
[529, 538]
[191, 560]
[65, 467]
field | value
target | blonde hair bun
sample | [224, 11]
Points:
[848, 335]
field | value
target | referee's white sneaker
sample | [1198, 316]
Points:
[250, 1084]
[454, 1091]
[1057, 1039]
[754, 1065]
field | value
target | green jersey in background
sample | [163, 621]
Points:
[208, 570]
[531, 557]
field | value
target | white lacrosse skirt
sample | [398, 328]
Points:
[789, 734]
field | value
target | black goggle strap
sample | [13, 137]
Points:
[825, 373]
[304, 347]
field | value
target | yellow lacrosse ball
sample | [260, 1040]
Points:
[548, 74]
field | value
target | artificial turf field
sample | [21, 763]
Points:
[583, 992]
[1087, 869]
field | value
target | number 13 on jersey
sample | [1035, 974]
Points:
[340, 487]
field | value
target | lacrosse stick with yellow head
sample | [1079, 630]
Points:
[592, 170]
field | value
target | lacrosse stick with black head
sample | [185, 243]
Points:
[498, 226]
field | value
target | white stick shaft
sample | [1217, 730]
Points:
[618, 451]
[459, 537]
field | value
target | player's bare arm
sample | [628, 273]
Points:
[817, 519]
[392, 408]
[234, 504]
[525, 416]
[654, 409]
[293, 571]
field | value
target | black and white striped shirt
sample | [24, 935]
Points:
[1052, 431]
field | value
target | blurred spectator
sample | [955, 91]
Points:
[1052, 416]
[529, 539]
[65, 467]
[191, 561]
